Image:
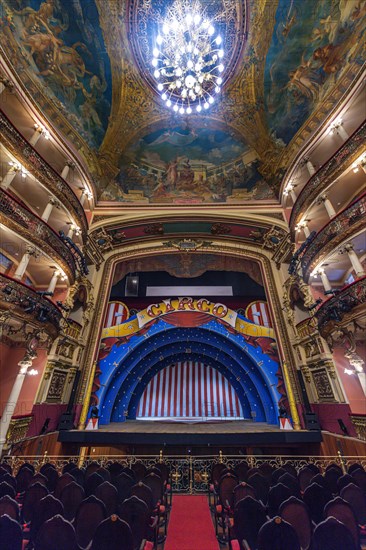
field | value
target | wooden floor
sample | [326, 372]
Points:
[230, 427]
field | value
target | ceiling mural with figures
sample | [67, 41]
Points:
[312, 45]
[189, 165]
[284, 63]
[62, 46]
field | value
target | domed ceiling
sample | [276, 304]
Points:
[87, 64]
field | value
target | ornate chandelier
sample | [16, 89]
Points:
[187, 58]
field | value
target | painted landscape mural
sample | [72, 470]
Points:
[313, 44]
[185, 164]
[62, 46]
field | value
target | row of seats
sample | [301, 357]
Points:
[78, 507]
[261, 508]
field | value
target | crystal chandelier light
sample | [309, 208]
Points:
[188, 58]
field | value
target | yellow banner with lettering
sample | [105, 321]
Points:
[180, 306]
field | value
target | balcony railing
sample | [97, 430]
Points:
[28, 157]
[21, 299]
[306, 327]
[18, 429]
[72, 329]
[327, 173]
[18, 217]
[345, 224]
[334, 309]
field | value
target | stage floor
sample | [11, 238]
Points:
[238, 432]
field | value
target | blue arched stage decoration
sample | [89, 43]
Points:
[127, 364]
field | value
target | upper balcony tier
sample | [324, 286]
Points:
[340, 162]
[349, 303]
[28, 306]
[34, 163]
[347, 223]
[31, 227]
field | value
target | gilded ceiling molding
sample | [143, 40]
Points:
[128, 253]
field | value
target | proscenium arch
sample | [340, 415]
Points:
[231, 355]
[128, 252]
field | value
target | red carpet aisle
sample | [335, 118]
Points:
[190, 525]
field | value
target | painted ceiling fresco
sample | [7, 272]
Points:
[286, 62]
[61, 44]
[312, 44]
[188, 165]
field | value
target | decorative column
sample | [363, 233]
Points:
[85, 194]
[38, 132]
[73, 229]
[303, 225]
[23, 264]
[9, 408]
[66, 169]
[328, 205]
[47, 211]
[53, 281]
[325, 280]
[337, 127]
[358, 364]
[356, 264]
[10, 175]
[310, 166]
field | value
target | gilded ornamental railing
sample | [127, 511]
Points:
[15, 295]
[189, 474]
[327, 173]
[333, 310]
[345, 224]
[28, 157]
[306, 327]
[18, 217]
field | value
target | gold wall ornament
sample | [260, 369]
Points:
[291, 398]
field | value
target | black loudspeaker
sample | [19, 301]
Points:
[342, 426]
[66, 421]
[132, 286]
[311, 421]
[303, 391]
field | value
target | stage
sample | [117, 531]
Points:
[239, 433]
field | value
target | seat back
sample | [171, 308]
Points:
[277, 494]
[62, 481]
[316, 497]
[136, 513]
[356, 499]
[261, 486]
[71, 497]
[342, 511]
[32, 496]
[226, 488]
[7, 490]
[241, 470]
[155, 483]
[305, 477]
[331, 476]
[332, 535]
[249, 516]
[296, 513]
[56, 533]
[90, 514]
[113, 533]
[139, 469]
[45, 509]
[10, 507]
[108, 494]
[123, 484]
[291, 482]
[11, 536]
[144, 493]
[277, 534]
[241, 491]
[91, 483]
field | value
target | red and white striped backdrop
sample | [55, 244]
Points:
[258, 312]
[189, 389]
[117, 313]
